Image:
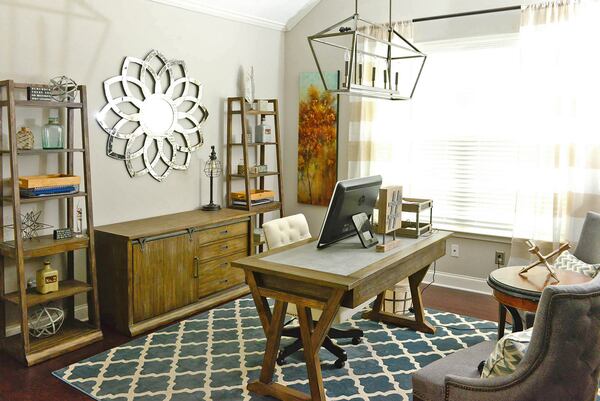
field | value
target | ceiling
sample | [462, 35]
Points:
[281, 15]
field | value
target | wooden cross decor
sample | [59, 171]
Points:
[535, 250]
[390, 215]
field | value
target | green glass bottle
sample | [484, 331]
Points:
[52, 134]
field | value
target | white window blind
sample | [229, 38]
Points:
[468, 180]
[454, 142]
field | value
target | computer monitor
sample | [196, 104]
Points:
[350, 197]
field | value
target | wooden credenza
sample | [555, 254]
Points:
[157, 270]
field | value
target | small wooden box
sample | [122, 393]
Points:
[255, 194]
[50, 180]
[416, 228]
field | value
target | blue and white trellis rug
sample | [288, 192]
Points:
[212, 356]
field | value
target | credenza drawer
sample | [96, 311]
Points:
[222, 248]
[218, 275]
[220, 233]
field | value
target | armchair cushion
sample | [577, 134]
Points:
[568, 261]
[428, 383]
[507, 354]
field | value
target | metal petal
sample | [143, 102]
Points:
[147, 67]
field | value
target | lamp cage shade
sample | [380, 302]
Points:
[384, 66]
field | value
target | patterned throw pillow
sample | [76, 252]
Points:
[509, 351]
[567, 261]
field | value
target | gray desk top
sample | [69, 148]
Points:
[343, 258]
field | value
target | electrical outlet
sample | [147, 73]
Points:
[454, 250]
[500, 258]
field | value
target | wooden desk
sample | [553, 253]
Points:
[514, 291]
[344, 274]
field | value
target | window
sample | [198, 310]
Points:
[452, 142]
[502, 132]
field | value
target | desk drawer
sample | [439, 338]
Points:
[218, 275]
[220, 233]
[222, 248]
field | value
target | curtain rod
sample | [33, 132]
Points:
[468, 13]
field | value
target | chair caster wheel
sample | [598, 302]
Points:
[339, 363]
[356, 340]
[280, 360]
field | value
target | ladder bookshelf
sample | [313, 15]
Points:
[74, 333]
[238, 106]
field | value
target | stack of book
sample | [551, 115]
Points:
[257, 197]
[48, 185]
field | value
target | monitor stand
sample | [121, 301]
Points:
[362, 224]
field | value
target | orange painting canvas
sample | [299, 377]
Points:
[317, 139]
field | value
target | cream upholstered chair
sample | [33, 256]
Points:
[286, 231]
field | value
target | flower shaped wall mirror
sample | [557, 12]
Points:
[153, 116]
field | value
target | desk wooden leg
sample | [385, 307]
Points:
[419, 323]
[312, 339]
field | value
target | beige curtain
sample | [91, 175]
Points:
[362, 148]
[559, 178]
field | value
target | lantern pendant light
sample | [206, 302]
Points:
[381, 67]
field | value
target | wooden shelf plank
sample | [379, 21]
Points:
[43, 246]
[48, 104]
[264, 208]
[255, 112]
[41, 151]
[66, 289]
[254, 144]
[9, 199]
[265, 174]
[74, 334]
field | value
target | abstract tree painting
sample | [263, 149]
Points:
[317, 139]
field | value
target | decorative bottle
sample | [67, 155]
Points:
[52, 134]
[47, 279]
[263, 131]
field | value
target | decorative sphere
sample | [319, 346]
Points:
[63, 89]
[46, 321]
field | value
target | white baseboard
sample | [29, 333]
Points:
[458, 282]
[81, 313]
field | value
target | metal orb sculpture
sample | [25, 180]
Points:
[63, 89]
[153, 116]
[46, 321]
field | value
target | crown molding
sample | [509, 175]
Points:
[230, 15]
[301, 14]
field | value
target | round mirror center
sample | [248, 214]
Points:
[157, 115]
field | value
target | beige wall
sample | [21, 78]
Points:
[477, 255]
[87, 40]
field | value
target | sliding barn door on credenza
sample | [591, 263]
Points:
[158, 270]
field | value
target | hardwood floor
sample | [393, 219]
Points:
[18, 383]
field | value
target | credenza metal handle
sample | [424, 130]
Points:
[196, 267]
[224, 232]
[224, 265]
[224, 247]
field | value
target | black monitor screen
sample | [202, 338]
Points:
[350, 197]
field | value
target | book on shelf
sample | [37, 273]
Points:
[253, 202]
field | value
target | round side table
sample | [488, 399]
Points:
[514, 291]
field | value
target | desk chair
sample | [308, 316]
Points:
[286, 231]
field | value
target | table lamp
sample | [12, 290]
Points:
[212, 169]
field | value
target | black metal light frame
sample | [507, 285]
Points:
[352, 84]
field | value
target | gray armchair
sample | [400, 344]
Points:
[588, 248]
[562, 362]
